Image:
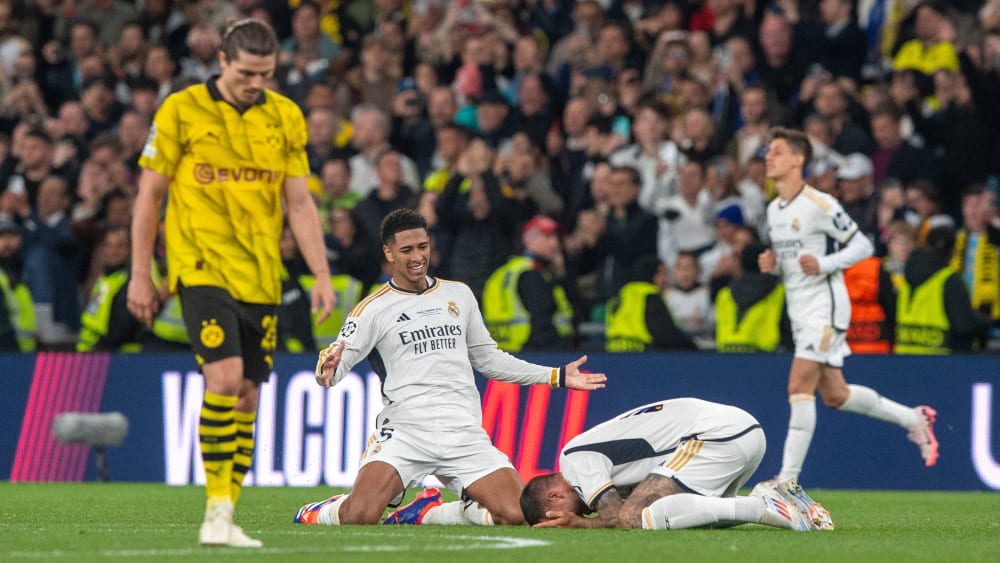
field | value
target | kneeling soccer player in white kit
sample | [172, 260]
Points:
[683, 460]
[423, 336]
[812, 241]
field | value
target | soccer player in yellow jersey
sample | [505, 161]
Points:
[230, 153]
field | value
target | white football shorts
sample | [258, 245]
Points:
[820, 343]
[457, 458]
[716, 467]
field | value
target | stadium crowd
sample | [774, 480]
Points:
[593, 170]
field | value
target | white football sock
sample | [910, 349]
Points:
[477, 515]
[687, 510]
[330, 514]
[801, 425]
[867, 401]
[447, 514]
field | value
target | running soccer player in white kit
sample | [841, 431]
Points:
[683, 460]
[812, 241]
[423, 336]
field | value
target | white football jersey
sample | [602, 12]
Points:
[811, 223]
[624, 450]
[424, 346]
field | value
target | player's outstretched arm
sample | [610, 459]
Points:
[583, 381]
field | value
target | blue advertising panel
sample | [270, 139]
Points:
[309, 436]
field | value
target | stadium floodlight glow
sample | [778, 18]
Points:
[97, 430]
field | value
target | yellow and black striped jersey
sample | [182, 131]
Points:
[226, 170]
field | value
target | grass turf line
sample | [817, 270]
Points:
[154, 522]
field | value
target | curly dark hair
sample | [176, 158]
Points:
[398, 221]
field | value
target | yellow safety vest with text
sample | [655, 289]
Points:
[758, 331]
[626, 318]
[22, 313]
[922, 325]
[96, 317]
[508, 321]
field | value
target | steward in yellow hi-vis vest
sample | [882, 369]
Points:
[934, 314]
[106, 324]
[523, 305]
[638, 318]
[232, 156]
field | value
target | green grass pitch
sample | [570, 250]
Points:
[151, 522]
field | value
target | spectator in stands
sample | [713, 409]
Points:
[493, 118]
[51, 256]
[755, 117]
[374, 81]
[160, 67]
[932, 48]
[106, 323]
[780, 68]
[638, 319]
[309, 54]
[18, 327]
[323, 124]
[133, 130]
[698, 139]
[833, 103]
[478, 219]
[689, 214]
[975, 257]
[857, 193]
[750, 311]
[127, 55]
[413, 131]
[934, 314]
[570, 160]
[901, 239]
[452, 141]
[59, 68]
[922, 197]
[392, 193]
[657, 160]
[349, 250]
[895, 156]
[690, 303]
[202, 61]
[524, 303]
[335, 178]
[534, 116]
[99, 105]
[28, 165]
[629, 233]
[371, 139]
[837, 44]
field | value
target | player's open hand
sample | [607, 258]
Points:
[809, 264]
[142, 300]
[560, 519]
[329, 359]
[323, 300]
[584, 381]
[767, 261]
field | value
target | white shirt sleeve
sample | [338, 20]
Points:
[858, 248]
[359, 335]
[494, 363]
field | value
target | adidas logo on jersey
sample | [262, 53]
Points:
[810, 348]
[403, 317]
